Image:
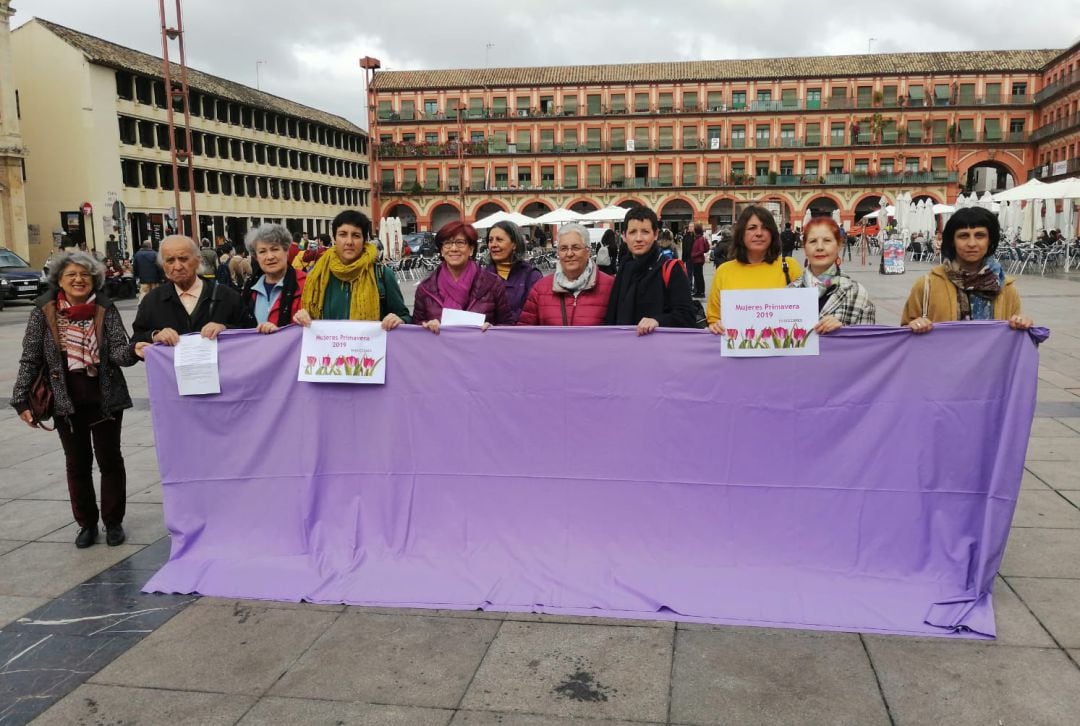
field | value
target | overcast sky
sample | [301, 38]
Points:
[311, 48]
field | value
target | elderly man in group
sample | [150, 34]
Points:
[577, 292]
[186, 303]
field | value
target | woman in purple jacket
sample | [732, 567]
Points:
[459, 283]
[506, 244]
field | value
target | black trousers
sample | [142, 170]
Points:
[85, 435]
[699, 278]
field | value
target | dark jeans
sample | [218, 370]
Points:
[85, 435]
[699, 278]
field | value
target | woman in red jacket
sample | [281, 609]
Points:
[274, 296]
[577, 293]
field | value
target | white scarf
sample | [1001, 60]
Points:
[577, 286]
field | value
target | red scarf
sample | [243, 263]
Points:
[78, 336]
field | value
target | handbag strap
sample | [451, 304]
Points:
[562, 302]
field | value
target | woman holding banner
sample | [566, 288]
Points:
[506, 245]
[756, 264]
[841, 300]
[459, 284]
[577, 292]
[969, 284]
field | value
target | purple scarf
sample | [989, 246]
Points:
[455, 293]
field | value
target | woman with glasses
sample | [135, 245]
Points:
[76, 338]
[577, 292]
[459, 284]
[506, 245]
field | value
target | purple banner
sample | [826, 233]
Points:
[589, 471]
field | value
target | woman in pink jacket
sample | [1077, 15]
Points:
[577, 292]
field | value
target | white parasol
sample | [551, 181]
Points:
[560, 216]
[608, 214]
[519, 219]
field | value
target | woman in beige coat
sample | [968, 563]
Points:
[969, 284]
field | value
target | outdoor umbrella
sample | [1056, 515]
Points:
[608, 214]
[560, 216]
[806, 218]
[883, 218]
[1064, 189]
[1027, 226]
[519, 219]
[986, 202]
[1027, 190]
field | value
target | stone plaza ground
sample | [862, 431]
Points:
[79, 642]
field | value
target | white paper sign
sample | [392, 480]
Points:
[761, 323]
[343, 351]
[461, 318]
[195, 362]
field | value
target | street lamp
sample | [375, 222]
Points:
[370, 65]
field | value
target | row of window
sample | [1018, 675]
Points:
[617, 173]
[644, 135]
[151, 175]
[568, 101]
[151, 134]
[151, 91]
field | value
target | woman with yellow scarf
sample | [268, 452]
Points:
[348, 283]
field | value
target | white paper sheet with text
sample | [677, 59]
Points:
[196, 364]
[461, 318]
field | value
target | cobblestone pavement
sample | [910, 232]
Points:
[80, 644]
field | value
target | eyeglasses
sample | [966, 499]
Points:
[77, 276]
[571, 250]
[455, 243]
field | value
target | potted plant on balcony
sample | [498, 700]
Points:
[952, 132]
[878, 98]
[415, 188]
[772, 178]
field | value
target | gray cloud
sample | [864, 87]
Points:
[312, 49]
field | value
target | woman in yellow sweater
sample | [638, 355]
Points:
[756, 263]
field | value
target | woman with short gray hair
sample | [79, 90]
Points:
[75, 339]
[274, 289]
[577, 292]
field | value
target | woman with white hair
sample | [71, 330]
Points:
[577, 292]
[76, 341]
[273, 295]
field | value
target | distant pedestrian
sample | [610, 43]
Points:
[697, 260]
[787, 240]
[147, 271]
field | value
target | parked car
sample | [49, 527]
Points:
[18, 280]
[420, 243]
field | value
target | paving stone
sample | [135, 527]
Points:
[1060, 475]
[1045, 509]
[151, 493]
[273, 711]
[7, 545]
[218, 650]
[13, 606]
[498, 718]
[938, 683]
[46, 569]
[589, 620]
[1029, 481]
[392, 659]
[430, 612]
[143, 523]
[1054, 448]
[1073, 497]
[97, 704]
[582, 671]
[767, 676]
[1073, 422]
[1038, 552]
[235, 603]
[1054, 602]
[27, 520]
[40, 451]
[37, 670]
[1048, 427]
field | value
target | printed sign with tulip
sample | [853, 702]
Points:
[760, 323]
[342, 351]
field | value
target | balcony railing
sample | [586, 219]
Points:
[1046, 171]
[1061, 84]
[406, 150]
[1065, 124]
[711, 182]
[800, 104]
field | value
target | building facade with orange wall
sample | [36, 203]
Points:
[695, 140]
[1058, 132]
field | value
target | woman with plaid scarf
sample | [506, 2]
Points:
[841, 300]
